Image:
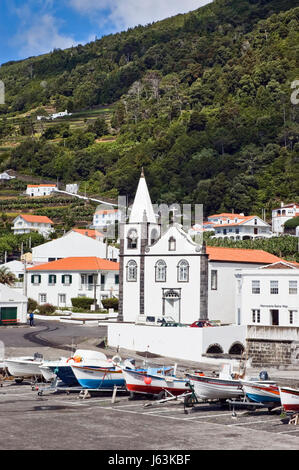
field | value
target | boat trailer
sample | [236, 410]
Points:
[57, 386]
[272, 406]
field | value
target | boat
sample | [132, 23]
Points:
[62, 368]
[289, 398]
[221, 387]
[101, 375]
[24, 366]
[154, 380]
[261, 392]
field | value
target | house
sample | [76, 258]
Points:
[223, 263]
[13, 306]
[269, 295]
[104, 217]
[59, 281]
[72, 188]
[5, 176]
[27, 223]
[73, 243]
[242, 228]
[37, 190]
[282, 214]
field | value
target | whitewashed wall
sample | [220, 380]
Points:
[175, 342]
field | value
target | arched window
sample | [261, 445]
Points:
[132, 271]
[183, 271]
[132, 238]
[160, 271]
[171, 244]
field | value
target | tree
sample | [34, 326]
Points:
[7, 277]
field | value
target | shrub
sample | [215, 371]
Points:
[82, 302]
[46, 309]
[32, 305]
[110, 303]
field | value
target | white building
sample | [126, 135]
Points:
[27, 223]
[105, 217]
[37, 190]
[223, 263]
[72, 188]
[71, 244]
[282, 214]
[268, 295]
[59, 281]
[246, 228]
[6, 176]
[13, 306]
[17, 268]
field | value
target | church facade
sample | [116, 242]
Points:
[161, 274]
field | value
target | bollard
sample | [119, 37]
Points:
[114, 394]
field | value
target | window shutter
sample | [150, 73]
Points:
[71, 278]
[63, 278]
[32, 278]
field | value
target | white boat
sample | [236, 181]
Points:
[158, 380]
[216, 388]
[24, 366]
[98, 374]
[289, 398]
[62, 368]
[261, 392]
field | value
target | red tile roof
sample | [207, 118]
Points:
[80, 263]
[241, 255]
[89, 233]
[244, 219]
[40, 219]
[41, 185]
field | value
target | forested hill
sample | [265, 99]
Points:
[201, 100]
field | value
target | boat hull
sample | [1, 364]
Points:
[261, 393]
[215, 388]
[151, 384]
[23, 368]
[93, 377]
[64, 372]
[289, 398]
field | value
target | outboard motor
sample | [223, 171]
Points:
[264, 375]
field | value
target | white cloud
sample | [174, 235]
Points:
[122, 14]
[41, 37]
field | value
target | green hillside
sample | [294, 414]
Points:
[201, 101]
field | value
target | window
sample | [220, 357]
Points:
[154, 236]
[52, 279]
[61, 299]
[67, 279]
[256, 316]
[255, 287]
[293, 287]
[160, 271]
[214, 279]
[171, 244]
[132, 271]
[183, 271]
[116, 278]
[36, 279]
[132, 239]
[42, 298]
[273, 287]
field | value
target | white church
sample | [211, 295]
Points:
[160, 274]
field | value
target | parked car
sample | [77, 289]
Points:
[201, 324]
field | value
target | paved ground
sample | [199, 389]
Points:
[64, 421]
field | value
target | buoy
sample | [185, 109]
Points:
[147, 380]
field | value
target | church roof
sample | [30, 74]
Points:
[142, 204]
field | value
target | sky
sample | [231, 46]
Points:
[34, 27]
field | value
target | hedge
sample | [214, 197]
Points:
[110, 303]
[82, 302]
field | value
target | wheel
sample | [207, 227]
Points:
[19, 380]
[132, 396]
[189, 401]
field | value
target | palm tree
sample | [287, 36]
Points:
[7, 277]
